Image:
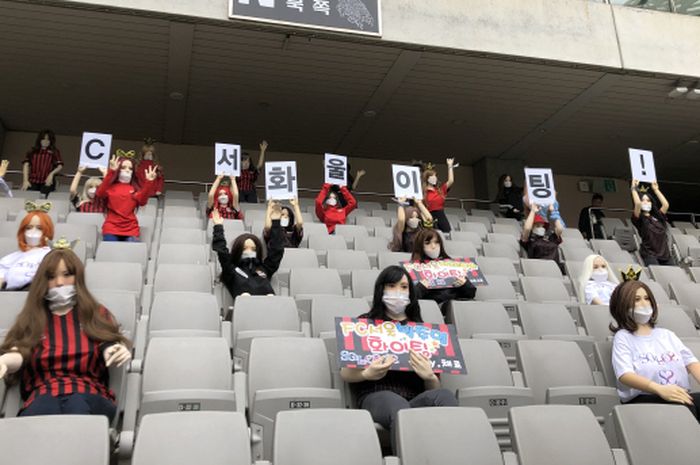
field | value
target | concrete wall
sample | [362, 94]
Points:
[574, 31]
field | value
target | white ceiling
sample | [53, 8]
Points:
[75, 70]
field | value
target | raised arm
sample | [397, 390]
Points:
[358, 175]
[218, 242]
[25, 175]
[664, 203]
[349, 198]
[320, 198]
[268, 213]
[635, 198]
[275, 248]
[143, 194]
[261, 159]
[212, 191]
[3, 168]
[234, 192]
[401, 216]
[297, 213]
[424, 212]
[529, 221]
[450, 172]
[108, 177]
[76, 181]
[555, 216]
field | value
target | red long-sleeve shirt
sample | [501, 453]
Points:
[122, 202]
[141, 176]
[435, 198]
[332, 216]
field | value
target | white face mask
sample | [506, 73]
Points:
[148, 156]
[332, 202]
[432, 180]
[248, 254]
[284, 222]
[600, 275]
[507, 184]
[223, 199]
[396, 302]
[33, 237]
[642, 315]
[413, 223]
[45, 143]
[61, 297]
[432, 253]
[646, 207]
[91, 192]
[124, 177]
[539, 231]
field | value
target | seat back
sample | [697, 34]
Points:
[498, 266]
[348, 260]
[188, 278]
[540, 268]
[131, 252]
[545, 319]
[392, 258]
[314, 281]
[500, 250]
[184, 254]
[602, 351]
[479, 317]
[460, 249]
[177, 235]
[115, 276]
[324, 310]
[363, 282]
[486, 366]
[254, 313]
[184, 314]
[665, 275]
[498, 288]
[677, 320]
[596, 319]
[326, 242]
[538, 289]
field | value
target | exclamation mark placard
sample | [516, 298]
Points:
[642, 164]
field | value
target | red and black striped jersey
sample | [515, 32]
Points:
[246, 181]
[66, 361]
[41, 163]
[90, 206]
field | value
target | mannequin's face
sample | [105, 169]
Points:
[148, 151]
[61, 276]
[599, 264]
[249, 246]
[45, 141]
[127, 167]
[245, 163]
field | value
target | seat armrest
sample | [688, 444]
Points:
[510, 458]
[240, 388]
[391, 460]
[141, 337]
[620, 457]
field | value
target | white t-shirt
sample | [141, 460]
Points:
[600, 290]
[18, 268]
[660, 357]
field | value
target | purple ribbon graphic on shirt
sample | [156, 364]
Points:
[667, 376]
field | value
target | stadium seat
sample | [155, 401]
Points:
[261, 316]
[499, 266]
[370, 222]
[183, 254]
[687, 295]
[347, 260]
[385, 259]
[11, 303]
[577, 254]
[456, 436]
[558, 373]
[677, 320]
[501, 250]
[688, 247]
[489, 384]
[87, 233]
[362, 283]
[507, 228]
[190, 222]
[596, 319]
[305, 281]
[504, 238]
[468, 236]
[481, 213]
[657, 433]
[559, 434]
[182, 236]
[546, 290]
[324, 310]
[214, 438]
[131, 252]
[499, 289]
[185, 314]
[189, 278]
[659, 292]
[475, 227]
[372, 246]
[430, 311]
[114, 275]
[385, 232]
[351, 232]
[63, 440]
[285, 373]
[665, 275]
[485, 320]
[460, 249]
[610, 224]
[533, 267]
[95, 219]
[602, 351]
[121, 304]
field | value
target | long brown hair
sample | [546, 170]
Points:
[426, 174]
[622, 306]
[96, 321]
[423, 236]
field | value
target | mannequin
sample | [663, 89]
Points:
[147, 160]
[42, 163]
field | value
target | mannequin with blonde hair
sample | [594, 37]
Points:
[597, 281]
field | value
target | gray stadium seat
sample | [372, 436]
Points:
[87, 233]
[184, 254]
[558, 373]
[546, 290]
[508, 228]
[351, 232]
[659, 292]
[665, 275]
[63, 440]
[347, 260]
[320, 445]
[560, 434]
[11, 303]
[456, 435]
[214, 438]
[460, 249]
[603, 358]
[87, 218]
[362, 283]
[131, 252]
[677, 320]
[327, 242]
[372, 246]
[385, 259]
[577, 254]
[475, 227]
[185, 314]
[370, 222]
[285, 373]
[191, 222]
[687, 295]
[188, 278]
[123, 305]
[116, 276]
[499, 266]
[499, 289]
[657, 433]
[501, 250]
[303, 281]
[596, 318]
[324, 310]
[504, 238]
[430, 311]
[183, 236]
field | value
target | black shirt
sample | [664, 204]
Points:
[652, 230]
[545, 248]
[584, 222]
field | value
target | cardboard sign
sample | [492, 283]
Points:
[407, 182]
[336, 167]
[540, 186]
[281, 180]
[360, 341]
[227, 159]
[642, 163]
[95, 149]
[441, 274]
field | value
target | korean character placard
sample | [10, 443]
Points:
[336, 168]
[227, 159]
[281, 180]
[407, 182]
[540, 186]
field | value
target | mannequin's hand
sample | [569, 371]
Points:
[450, 162]
[117, 354]
[81, 169]
[361, 173]
[263, 146]
[3, 167]
[151, 173]
[421, 365]
[378, 368]
[103, 171]
[25, 185]
[674, 393]
[216, 217]
[114, 163]
[294, 202]
[49, 180]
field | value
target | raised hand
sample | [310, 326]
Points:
[3, 167]
[263, 146]
[635, 183]
[81, 169]
[151, 173]
[655, 186]
[361, 173]
[216, 217]
[114, 163]
[294, 202]
[450, 162]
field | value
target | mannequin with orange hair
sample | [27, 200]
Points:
[224, 199]
[18, 268]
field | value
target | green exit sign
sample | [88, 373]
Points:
[609, 185]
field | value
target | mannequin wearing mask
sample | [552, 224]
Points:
[328, 208]
[539, 239]
[664, 379]
[148, 160]
[376, 388]
[41, 164]
[510, 197]
[18, 268]
[429, 246]
[410, 221]
[244, 269]
[224, 199]
[121, 196]
[292, 223]
[87, 202]
[249, 175]
[62, 344]
[435, 194]
[651, 223]
[597, 281]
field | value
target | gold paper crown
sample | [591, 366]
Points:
[643, 189]
[630, 274]
[122, 154]
[149, 141]
[63, 244]
[30, 206]
[429, 166]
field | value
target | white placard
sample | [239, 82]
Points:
[642, 163]
[336, 167]
[540, 186]
[227, 159]
[281, 180]
[407, 182]
[95, 150]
